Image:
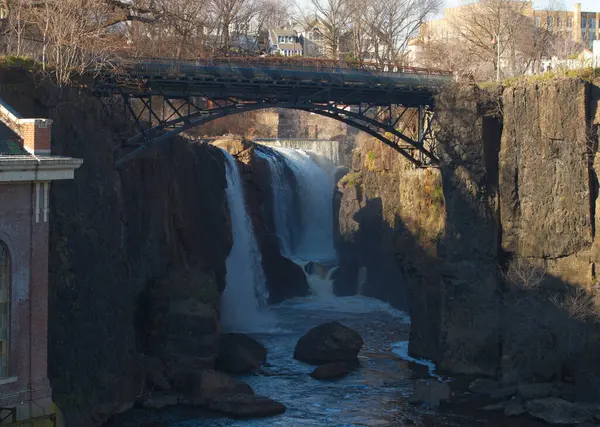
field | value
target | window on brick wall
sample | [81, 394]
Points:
[4, 308]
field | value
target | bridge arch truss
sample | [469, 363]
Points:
[395, 108]
[388, 124]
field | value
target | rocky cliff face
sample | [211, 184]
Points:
[431, 235]
[548, 196]
[137, 257]
[497, 248]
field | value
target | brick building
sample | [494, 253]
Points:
[26, 170]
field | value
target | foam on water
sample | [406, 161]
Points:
[400, 349]
[356, 304]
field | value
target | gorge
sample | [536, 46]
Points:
[484, 266]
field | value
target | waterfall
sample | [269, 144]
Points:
[335, 151]
[303, 185]
[314, 185]
[245, 294]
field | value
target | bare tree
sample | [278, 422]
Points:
[184, 23]
[393, 24]
[337, 15]
[492, 38]
[74, 38]
[226, 13]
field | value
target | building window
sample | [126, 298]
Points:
[538, 21]
[583, 22]
[4, 308]
[559, 22]
[592, 23]
[550, 22]
[570, 22]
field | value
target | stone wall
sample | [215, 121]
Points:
[302, 124]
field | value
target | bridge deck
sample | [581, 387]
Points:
[268, 81]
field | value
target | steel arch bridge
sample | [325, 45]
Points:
[176, 96]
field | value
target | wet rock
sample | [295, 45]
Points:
[513, 408]
[430, 392]
[200, 387]
[331, 371]
[564, 391]
[181, 321]
[495, 407]
[483, 386]
[534, 391]
[159, 400]
[234, 145]
[247, 406]
[239, 354]
[329, 342]
[503, 393]
[559, 411]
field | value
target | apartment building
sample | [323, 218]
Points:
[577, 25]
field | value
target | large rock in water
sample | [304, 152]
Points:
[331, 371]
[202, 387]
[239, 354]
[247, 406]
[329, 342]
[558, 411]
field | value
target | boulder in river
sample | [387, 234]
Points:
[559, 411]
[203, 386]
[430, 392]
[331, 371]
[240, 354]
[247, 406]
[483, 386]
[329, 342]
[534, 391]
[159, 400]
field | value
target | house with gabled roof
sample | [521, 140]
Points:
[284, 42]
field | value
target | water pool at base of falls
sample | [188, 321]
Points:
[376, 394]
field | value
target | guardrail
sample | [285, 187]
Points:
[276, 63]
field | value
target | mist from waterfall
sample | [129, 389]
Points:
[245, 296]
[303, 185]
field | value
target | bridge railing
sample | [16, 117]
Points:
[171, 66]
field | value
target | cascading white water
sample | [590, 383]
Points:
[245, 296]
[328, 149]
[283, 195]
[303, 213]
[314, 186]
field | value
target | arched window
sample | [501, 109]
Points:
[4, 308]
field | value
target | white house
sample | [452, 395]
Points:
[284, 42]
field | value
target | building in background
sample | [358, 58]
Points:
[580, 27]
[26, 170]
[508, 35]
[596, 52]
[285, 42]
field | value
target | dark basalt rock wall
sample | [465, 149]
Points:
[137, 256]
[496, 249]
